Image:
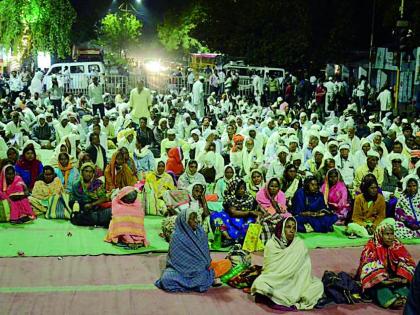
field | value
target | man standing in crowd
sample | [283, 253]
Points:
[140, 102]
[198, 96]
[96, 99]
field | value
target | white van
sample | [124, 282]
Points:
[78, 75]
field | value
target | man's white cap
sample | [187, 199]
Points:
[372, 153]
[324, 134]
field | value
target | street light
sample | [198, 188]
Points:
[127, 6]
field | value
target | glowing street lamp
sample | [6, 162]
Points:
[127, 6]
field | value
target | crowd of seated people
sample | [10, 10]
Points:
[240, 164]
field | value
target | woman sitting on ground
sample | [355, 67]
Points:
[209, 171]
[235, 154]
[368, 210]
[286, 282]
[196, 199]
[223, 183]
[336, 195]
[90, 193]
[12, 155]
[290, 183]
[190, 176]
[66, 171]
[239, 211]
[47, 186]
[84, 157]
[62, 148]
[14, 190]
[407, 213]
[310, 210]
[118, 174]
[271, 198]
[273, 201]
[157, 183]
[128, 159]
[386, 268]
[189, 266]
[220, 188]
[254, 182]
[327, 165]
[127, 224]
[28, 167]
[143, 158]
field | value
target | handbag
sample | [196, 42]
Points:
[341, 288]
[238, 256]
[92, 218]
[252, 242]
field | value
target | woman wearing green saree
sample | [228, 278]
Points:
[89, 192]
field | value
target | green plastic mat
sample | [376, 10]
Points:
[61, 238]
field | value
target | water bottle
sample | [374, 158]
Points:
[217, 242]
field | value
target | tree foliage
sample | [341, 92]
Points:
[37, 25]
[175, 33]
[118, 32]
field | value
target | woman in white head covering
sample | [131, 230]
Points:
[407, 212]
[314, 164]
[277, 166]
[190, 176]
[62, 129]
[251, 158]
[360, 156]
[36, 83]
[286, 282]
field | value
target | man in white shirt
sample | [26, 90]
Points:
[345, 165]
[352, 139]
[258, 85]
[15, 85]
[96, 99]
[222, 77]
[198, 97]
[66, 78]
[331, 89]
[385, 100]
[140, 102]
[16, 130]
[190, 79]
[186, 127]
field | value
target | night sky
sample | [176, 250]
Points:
[256, 28]
[150, 12]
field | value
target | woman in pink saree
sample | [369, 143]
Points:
[127, 224]
[14, 190]
[336, 195]
[271, 198]
[272, 202]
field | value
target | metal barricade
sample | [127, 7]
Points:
[160, 82]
